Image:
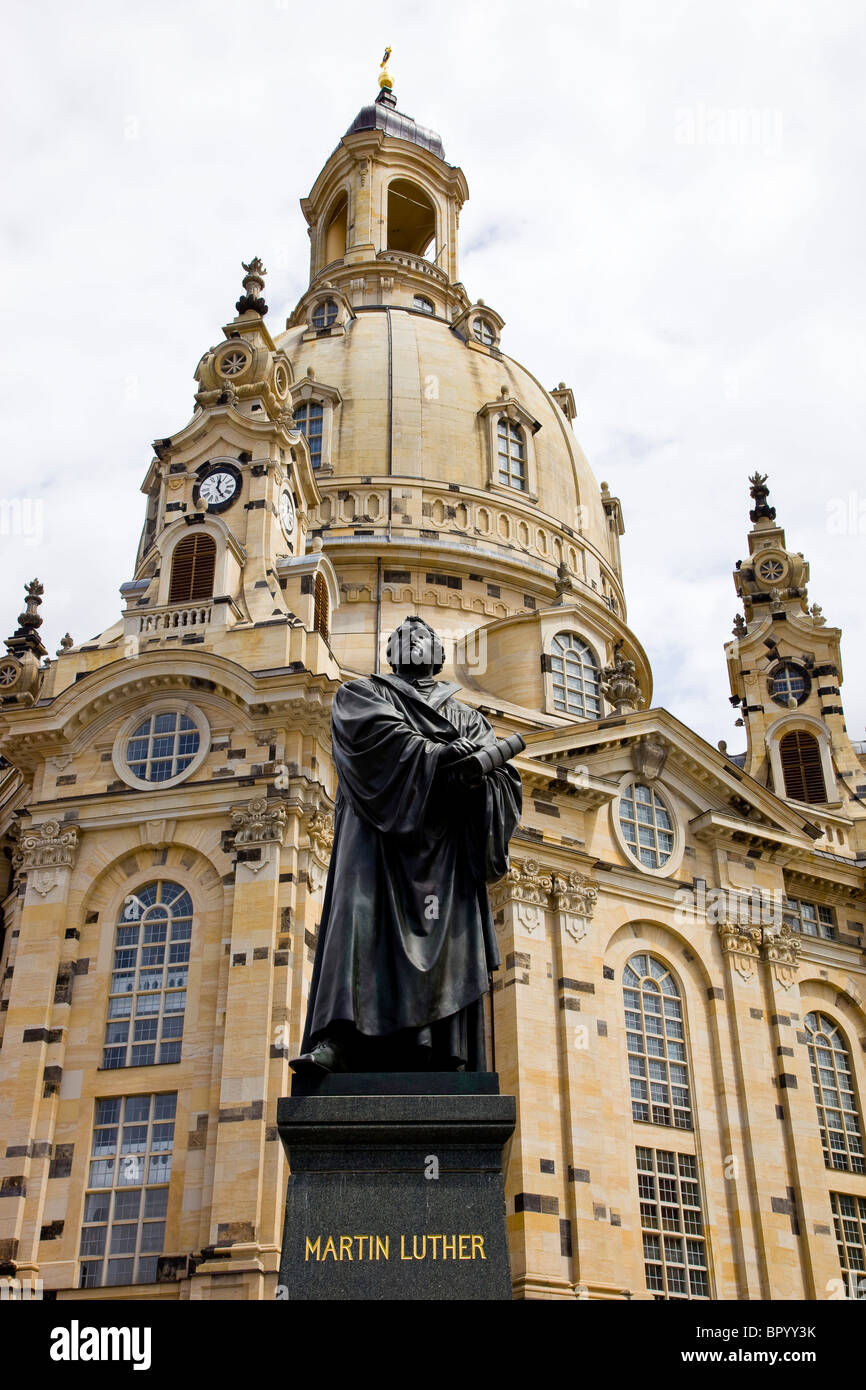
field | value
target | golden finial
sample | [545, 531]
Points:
[384, 74]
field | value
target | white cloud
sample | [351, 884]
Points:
[704, 300]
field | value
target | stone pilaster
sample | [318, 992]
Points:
[236, 1209]
[811, 1237]
[31, 1063]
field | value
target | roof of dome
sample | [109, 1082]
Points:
[437, 432]
[380, 115]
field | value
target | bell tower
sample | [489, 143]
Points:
[383, 218]
[785, 670]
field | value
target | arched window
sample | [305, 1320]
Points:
[411, 218]
[149, 978]
[483, 331]
[335, 232]
[193, 565]
[833, 1084]
[656, 1041]
[576, 680]
[324, 314]
[321, 606]
[511, 449]
[424, 304]
[309, 418]
[801, 766]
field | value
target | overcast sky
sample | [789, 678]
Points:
[694, 276]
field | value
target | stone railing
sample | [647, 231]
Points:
[416, 263]
[174, 617]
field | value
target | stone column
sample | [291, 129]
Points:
[31, 1063]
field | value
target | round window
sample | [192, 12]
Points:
[484, 332]
[324, 314]
[771, 570]
[789, 682]
[161, 745]
[233, 363]
[646, 825]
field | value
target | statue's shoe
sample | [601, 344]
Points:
[326, 1056]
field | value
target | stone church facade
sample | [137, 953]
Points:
[680, 1010]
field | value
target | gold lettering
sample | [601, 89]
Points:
[453, 1244]
[433, 1240]
[330, 1246]
[423, 1254]
[403, 1255]
[313, 1248]
[346, 1247]
[478, 1242]
[464, 1248]
[381, 1245]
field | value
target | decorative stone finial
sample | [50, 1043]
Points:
[760, 492]
[740, 629]
[66, 642]
[254, 283]
[26, 636]
[816, 613]
[619, 685]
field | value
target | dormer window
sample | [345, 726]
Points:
[324, 314]
[425, 305]
[576, 677]
[483, 332]
[309, 418]
[511, 452]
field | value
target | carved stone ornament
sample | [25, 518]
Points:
[320, 829]
[781, 950]
[619, 685]
[574, 898]
[649, 756]
[260, 822]
[528, 887]
[743, 944]
[47, 846]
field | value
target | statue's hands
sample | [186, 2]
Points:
[453, 752]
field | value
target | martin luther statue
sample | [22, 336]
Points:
[426, 805]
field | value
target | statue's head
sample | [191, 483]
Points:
[414, 646]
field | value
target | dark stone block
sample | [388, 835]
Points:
[419, 1210]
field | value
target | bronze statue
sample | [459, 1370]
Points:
[426, 805]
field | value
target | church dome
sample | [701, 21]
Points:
[381, 116]
[416, 403]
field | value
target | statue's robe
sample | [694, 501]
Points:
[406, 941]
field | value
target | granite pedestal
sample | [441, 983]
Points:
[396, 1188]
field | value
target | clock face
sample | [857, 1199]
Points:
[219, 488]
[287, 513]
